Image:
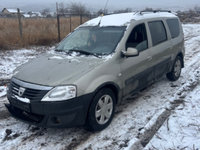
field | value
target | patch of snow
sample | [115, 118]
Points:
[111, 20]
[27, 15]
[10, 60]
[56, 57]
[181, 130]
[2, 91]
[124, 19]
[107, 57]
[74, 56]
[151, 123]
[147, 15]
[12, 10]
[134, 144]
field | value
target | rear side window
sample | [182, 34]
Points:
[158, 32]
[174, 27]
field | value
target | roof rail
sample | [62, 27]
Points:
[154, 11]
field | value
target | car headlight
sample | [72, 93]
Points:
[60, 93]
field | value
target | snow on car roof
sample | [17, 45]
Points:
[124, 19]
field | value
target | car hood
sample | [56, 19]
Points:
[53, 70]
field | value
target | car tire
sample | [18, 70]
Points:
[176, 70]
[101, 110]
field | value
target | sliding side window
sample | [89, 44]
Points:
[173, 27]
[158, 32]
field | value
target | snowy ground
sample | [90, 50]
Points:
[181, 130]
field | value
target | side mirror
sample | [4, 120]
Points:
[130, 52]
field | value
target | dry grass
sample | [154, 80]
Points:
[36, 31]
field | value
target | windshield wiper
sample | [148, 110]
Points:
[83, 52]
[59, 50]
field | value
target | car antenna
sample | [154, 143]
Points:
[104, 11]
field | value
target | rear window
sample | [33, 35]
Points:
[158, 32]
[174, 27]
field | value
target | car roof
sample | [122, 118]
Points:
[124, 19]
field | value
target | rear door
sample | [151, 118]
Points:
[161, 47]
[177, 38]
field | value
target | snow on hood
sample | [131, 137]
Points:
[53, 70]
[74, 56]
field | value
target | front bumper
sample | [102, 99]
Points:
[67, 113]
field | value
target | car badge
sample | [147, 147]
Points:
[21, 91]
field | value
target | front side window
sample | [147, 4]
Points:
[138, 38]
[93, 40]
[173, 27]
[158, 32]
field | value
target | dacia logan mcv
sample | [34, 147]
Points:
[95, 67]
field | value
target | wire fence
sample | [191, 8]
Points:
[82, 18]
[19, 31]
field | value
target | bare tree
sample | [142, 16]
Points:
[78, 8]
[197, 9]
[30, 13]
[61, 8]
[101, 11]
[123, 10]
[148, 9]
[45, 12]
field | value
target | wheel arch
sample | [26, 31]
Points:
[114, 87]
[182, 59]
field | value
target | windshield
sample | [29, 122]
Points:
[92, 40]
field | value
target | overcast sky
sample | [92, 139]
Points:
[96, 5]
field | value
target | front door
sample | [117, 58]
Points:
[137, 71]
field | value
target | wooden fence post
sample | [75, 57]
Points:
[58, 21]
[70, 23]
[58, 24]
[20, 23]
[81, 19]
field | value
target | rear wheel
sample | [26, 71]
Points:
[176, 70]
[101, 110]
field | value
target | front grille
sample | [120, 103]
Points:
[29, 93]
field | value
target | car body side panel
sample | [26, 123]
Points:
[107, 73]
[177, 45]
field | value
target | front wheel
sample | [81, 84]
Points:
[101, 110]
[176, 70]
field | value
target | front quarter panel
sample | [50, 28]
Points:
[107, 73]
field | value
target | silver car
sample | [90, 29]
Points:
[95, 67]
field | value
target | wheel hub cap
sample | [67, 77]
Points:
[177, 68]
[104, 109]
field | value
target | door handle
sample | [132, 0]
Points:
[149, 58]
